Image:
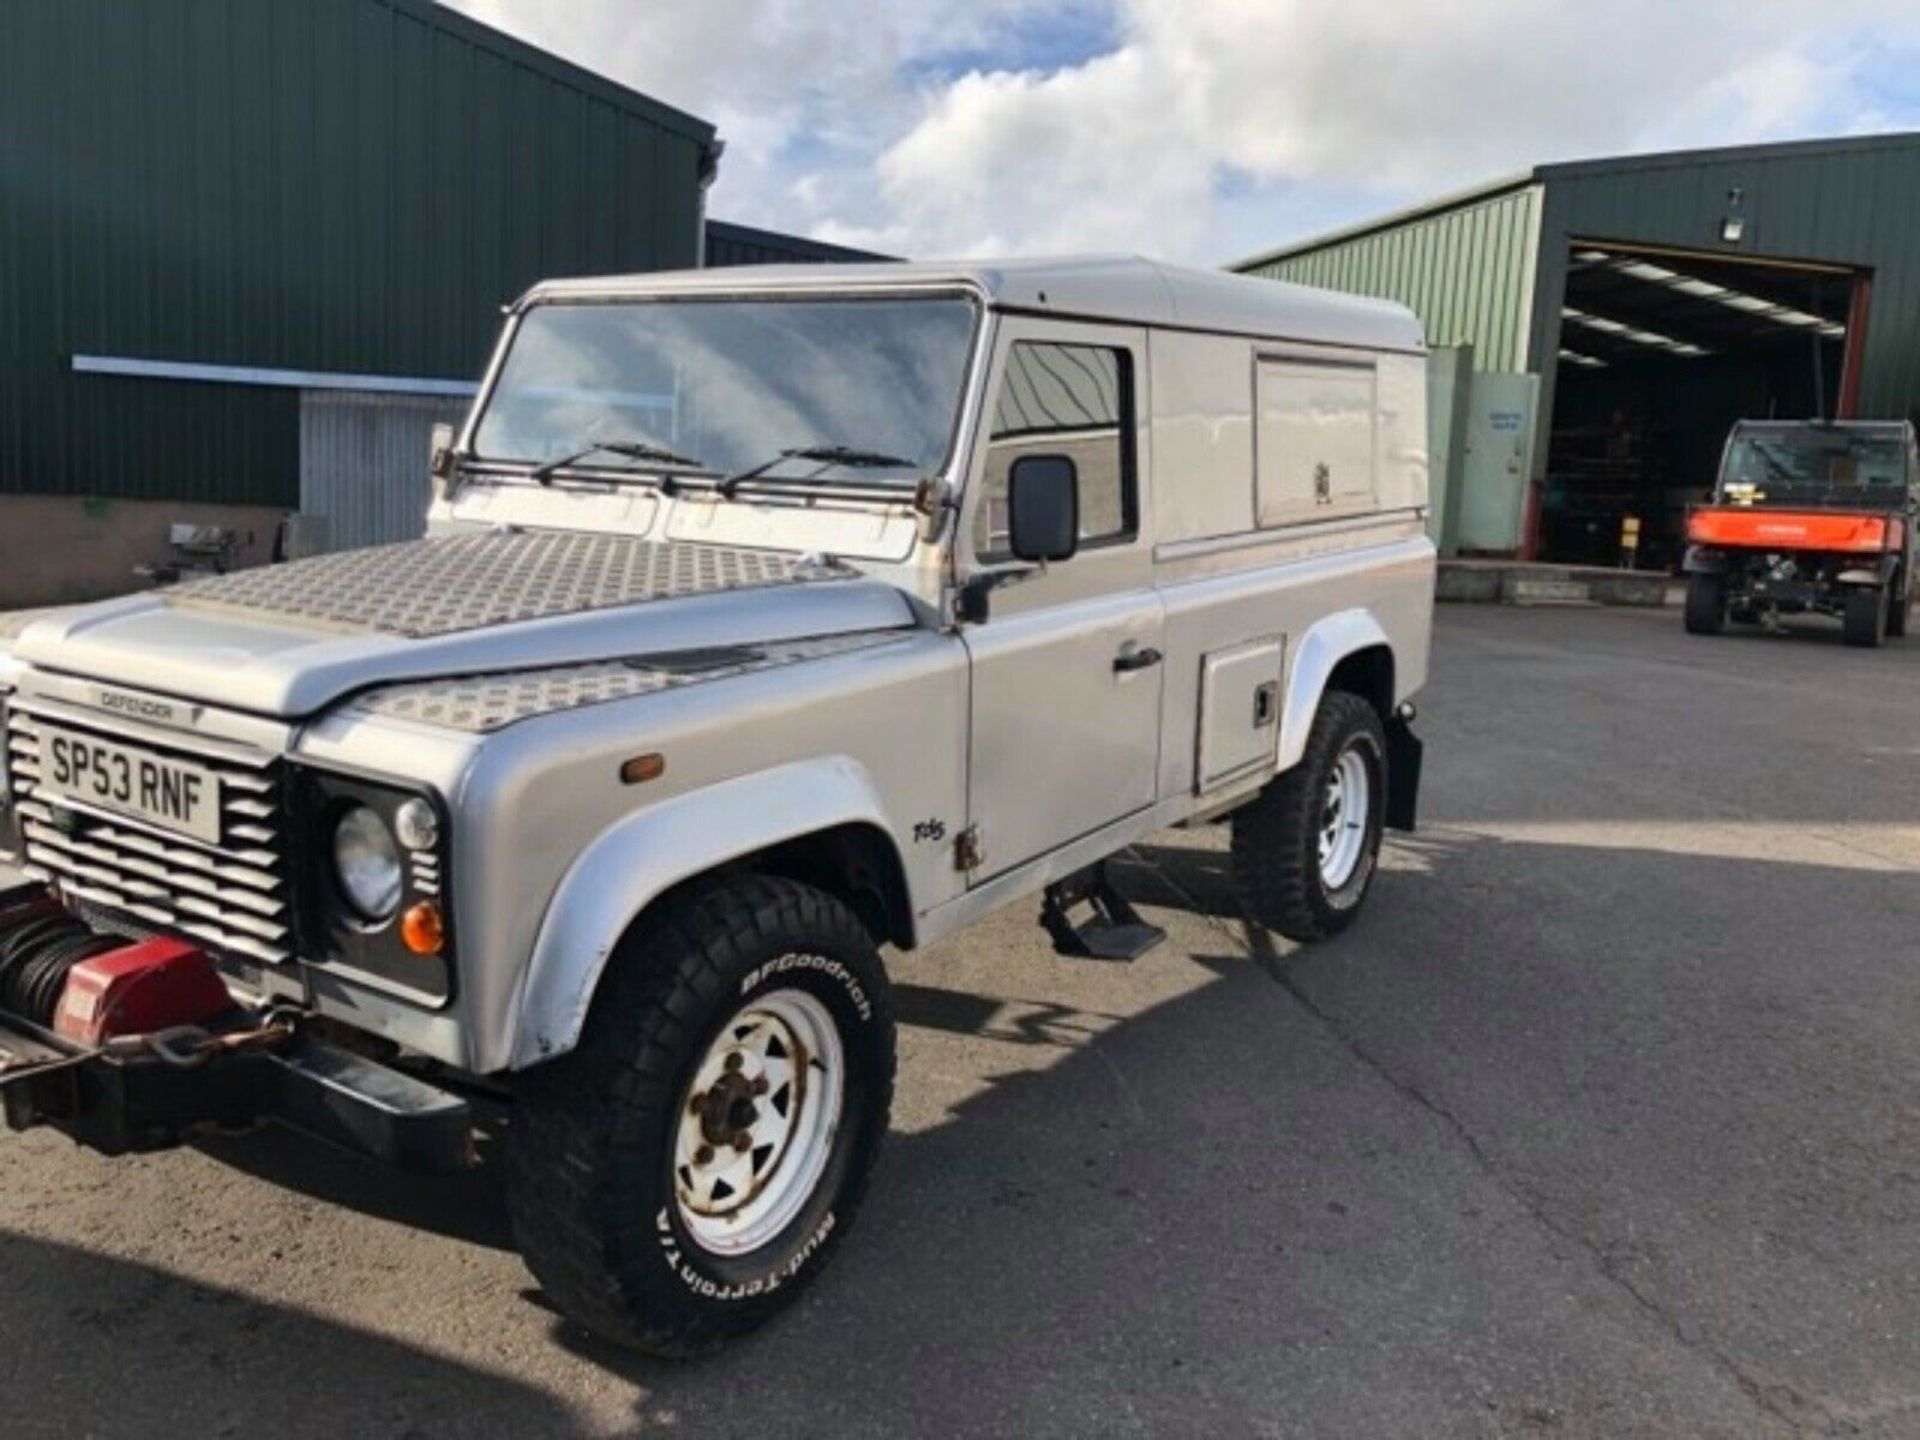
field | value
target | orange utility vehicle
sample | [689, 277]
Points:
[1807, 517]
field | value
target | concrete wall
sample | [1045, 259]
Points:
[54, 549]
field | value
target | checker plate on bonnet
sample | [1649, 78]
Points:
[482, 703]
[421, 588]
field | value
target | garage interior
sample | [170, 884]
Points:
[1660, 352]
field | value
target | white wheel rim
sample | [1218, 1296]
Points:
[1345, 810]
[757, 1123]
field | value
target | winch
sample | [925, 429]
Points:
[133, 1045]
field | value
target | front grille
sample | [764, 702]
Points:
[233, 897]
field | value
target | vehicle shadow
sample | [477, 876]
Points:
[103, 1346]
[1319, 1191]
[469, 1207]
[1489, 1163]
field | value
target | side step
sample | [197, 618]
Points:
[1114, 930]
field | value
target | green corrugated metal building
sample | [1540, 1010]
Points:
[1658, 298]
[347, 187]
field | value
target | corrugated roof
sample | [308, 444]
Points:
[519, 52]
[1392, 220]
[1579, 169]
[731, 244]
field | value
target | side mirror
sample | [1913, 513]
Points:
[1043, 508]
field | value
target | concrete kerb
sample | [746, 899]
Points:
[1505, 582]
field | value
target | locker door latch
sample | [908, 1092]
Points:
[1266, 700]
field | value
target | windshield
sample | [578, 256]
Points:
[786, 389]
[1815, 466]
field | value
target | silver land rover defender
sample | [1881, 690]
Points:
[765, 619]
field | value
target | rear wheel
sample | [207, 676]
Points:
[1902, 600]
[1864, 621]
[1305, 849]
[683, 1174]
[1706, 604]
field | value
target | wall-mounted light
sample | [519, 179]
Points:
[1733, 225]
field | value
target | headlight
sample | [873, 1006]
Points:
[366, 863]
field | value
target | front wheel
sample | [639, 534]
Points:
[1902, 601]
[1306, 848]
[683, 1174]
[1706, 604]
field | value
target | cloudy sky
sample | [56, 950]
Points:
[1203, 130]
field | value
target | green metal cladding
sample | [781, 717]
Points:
[1490, 267]
[323, 185]
[1466, 271]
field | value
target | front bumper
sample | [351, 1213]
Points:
[128, 1103]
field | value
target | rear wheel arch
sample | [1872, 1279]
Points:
[1347, 652]
[1367, 673]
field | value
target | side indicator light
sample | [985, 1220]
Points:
[643, 768]
[423, 930]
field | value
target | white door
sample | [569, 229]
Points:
[1067, 669]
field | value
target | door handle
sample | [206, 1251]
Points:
[1135, 658]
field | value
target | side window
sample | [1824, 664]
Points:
[1072, 400]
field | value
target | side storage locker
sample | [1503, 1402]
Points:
[1239, 711]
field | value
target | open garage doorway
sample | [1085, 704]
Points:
[1660, 352]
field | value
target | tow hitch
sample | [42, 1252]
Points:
[132, 1052]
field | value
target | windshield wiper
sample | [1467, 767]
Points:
[627, 449]
[827, 456]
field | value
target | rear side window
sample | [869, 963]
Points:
[1072, 400]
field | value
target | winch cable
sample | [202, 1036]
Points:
[37, 954]
[36, 958]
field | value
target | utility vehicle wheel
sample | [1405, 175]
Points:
[684, 1173]
[1864, 622]
[1305, 850]
[1706, 604]
[1902, 601]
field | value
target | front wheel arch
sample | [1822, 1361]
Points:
[636, 862]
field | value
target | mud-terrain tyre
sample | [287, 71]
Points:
[1706, 604]
[1864, 620]
[1303, 859]
[686, 1172]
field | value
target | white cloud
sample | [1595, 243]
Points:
[1208, 127]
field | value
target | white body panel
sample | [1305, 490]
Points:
[1209, 568]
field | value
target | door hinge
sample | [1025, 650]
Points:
[967, 851]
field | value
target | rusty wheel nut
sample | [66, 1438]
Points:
[760, 1086]
[703, 1156]
[734, 1061]
[742, 1141]
[693, 1105]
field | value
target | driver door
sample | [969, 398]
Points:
[1066, 670]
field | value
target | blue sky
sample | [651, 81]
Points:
[1203, 130]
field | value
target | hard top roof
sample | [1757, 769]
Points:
[1125, 289]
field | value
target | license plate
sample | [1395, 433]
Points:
[175, 795]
